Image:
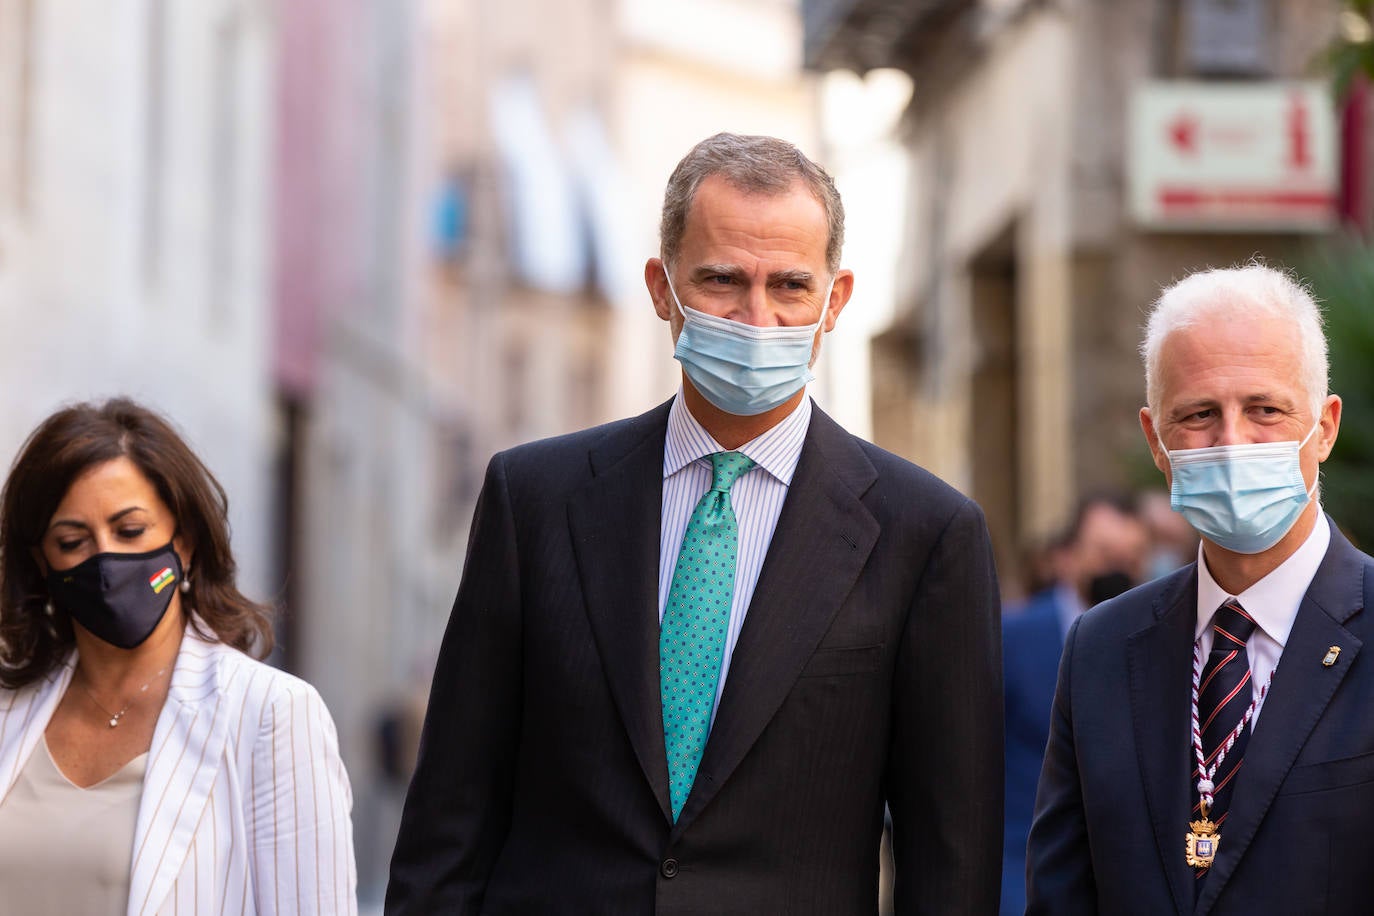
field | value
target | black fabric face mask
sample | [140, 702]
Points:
[120, 597]
[1108, 585]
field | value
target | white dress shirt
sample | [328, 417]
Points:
[1272, 602]
[756, 497]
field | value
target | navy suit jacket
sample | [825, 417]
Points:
[1115, 793]
[868, 669]
[1032, 641]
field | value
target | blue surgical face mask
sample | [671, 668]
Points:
[1241, 497]
[742, 369]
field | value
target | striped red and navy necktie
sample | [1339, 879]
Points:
[1224, 694]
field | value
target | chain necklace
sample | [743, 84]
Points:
[1204, 836]
[116, 716]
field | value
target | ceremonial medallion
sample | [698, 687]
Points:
[1202, 843]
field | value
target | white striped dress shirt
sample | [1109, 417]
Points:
[1272, 602]
[756, 497]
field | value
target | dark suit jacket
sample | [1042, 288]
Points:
[1115, 794]
[1032, 641]
[867, 670]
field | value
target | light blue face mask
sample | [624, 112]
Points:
[1241, 497]
[739, 368]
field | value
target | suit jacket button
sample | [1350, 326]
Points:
[669, 868]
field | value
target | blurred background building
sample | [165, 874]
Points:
[353, 247]
[136, 175]
[1067, 159]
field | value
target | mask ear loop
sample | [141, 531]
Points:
[1317, 423]
[1316, 482]
[668, 275]
[184, 586]
[825, 305]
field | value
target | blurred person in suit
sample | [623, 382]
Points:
[694, 652]
[148, 762]
[1211, 749]
[1100, 554]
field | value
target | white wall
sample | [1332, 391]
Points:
[138, 264]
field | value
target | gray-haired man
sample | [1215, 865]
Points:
[694, 652]
[1211, 749]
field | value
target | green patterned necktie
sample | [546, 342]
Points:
[691, 639]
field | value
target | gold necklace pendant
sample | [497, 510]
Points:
[115, 717]
[1202, 842]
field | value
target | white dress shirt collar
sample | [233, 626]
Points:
[776, 451]
[1272, 601]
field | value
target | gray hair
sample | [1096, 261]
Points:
[762, 165]
[1252, 289]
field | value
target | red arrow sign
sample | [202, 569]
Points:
[1183, 133]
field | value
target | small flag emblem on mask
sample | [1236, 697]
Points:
[162, 580]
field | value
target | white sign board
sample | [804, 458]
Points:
[1233, 156]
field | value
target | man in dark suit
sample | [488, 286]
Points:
[1211, 749]
[694, 652]
[1100, 555]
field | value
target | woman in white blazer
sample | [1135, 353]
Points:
[148, 762]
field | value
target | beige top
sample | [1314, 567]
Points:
[64, 849]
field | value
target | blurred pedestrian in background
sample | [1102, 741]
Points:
[1179, 777]
[608, 732]
[1100, 555]
[1173, 542]
[148, 763]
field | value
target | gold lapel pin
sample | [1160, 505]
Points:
[1331, 655]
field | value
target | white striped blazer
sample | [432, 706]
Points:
[245, 806]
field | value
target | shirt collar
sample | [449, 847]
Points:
[777, 451]
[1272, 601]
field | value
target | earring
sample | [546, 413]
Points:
[185, 585]
[47, 607]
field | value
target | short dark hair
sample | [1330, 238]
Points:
[33, 641]
[1120, 500]
[764, 165]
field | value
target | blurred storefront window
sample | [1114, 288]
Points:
[1227, 37]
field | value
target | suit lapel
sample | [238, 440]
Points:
[1301, 689]
[822, 541]
[24, 720]
[185, 758]
[615, 524]
[1159, 663]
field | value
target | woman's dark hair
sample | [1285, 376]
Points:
[34, 636]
